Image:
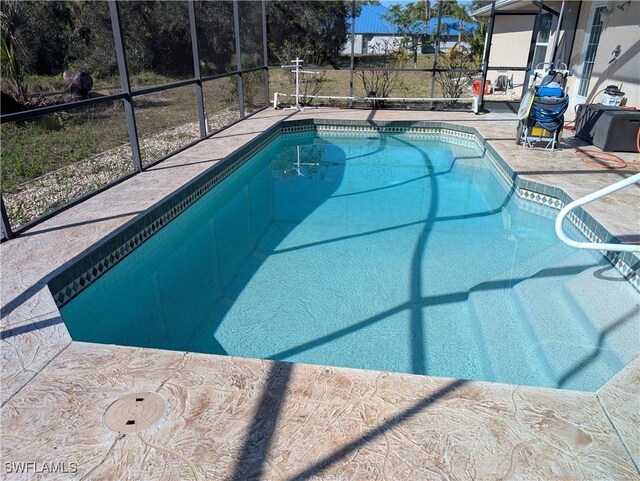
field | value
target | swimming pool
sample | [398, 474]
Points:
[395, 251]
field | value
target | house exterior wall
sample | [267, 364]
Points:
[380, 43]
[364, 43]
[510, 46]
[512, 36]
[357, 45]
[620, 28]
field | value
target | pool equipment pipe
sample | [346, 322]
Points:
[296, 66]
[277, 95]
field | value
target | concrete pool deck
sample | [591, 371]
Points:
[237, 418]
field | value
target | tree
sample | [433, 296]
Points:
[92, 48]
[477, 4]
[460, 12]
[216, 43]
[475, 38]
[321, 27]
[411, 20]
[13, 53]
[449, 8]
[47, 35]
[455, 79]
[167, 35]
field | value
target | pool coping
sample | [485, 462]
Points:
[87, 268]
[58, 350]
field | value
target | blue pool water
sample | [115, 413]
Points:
[388, 252]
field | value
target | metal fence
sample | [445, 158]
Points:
[432, 78]
[385, 63]
[234, 72]
[210, 96]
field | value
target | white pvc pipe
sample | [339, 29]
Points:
[585, 200]
[419, 98]
[297, 83]
[377, 98]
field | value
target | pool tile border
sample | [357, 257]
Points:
[89, 266]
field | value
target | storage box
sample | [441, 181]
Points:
[613, 129]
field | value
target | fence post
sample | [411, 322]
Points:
[435, 55]
[266, 51]
[7, 233]
[556, 37]
[196, 70]
[353, 46]
[487, 53]
[125, 85]
[236, 27]
[532, 48]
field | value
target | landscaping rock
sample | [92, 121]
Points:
[78, 83]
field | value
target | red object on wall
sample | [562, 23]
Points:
[475, 89]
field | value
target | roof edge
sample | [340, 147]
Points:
[486, 10]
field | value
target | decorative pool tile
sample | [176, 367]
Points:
[539, 198]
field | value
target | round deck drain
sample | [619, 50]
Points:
[134, 412]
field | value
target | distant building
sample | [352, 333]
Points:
[373, 32]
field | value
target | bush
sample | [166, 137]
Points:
[380, 83]
[310, 84]
[455, 81]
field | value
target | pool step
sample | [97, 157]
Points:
[560, 333]
[612, 307]
[493, 304]
[499, 325]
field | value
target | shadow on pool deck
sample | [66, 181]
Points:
[259, 437]
[401, 417]
[36, 230]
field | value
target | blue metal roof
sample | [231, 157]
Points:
[371, 21]
[451, 25]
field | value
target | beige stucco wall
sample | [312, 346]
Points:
[510, 45]
[512, 40]
[620, 28]
[512, 37]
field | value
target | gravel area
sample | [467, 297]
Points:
[44, 194]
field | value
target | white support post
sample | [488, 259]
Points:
[297, 61]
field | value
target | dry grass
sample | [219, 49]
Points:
[52, 160]
[410, 83]
[49, 161]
